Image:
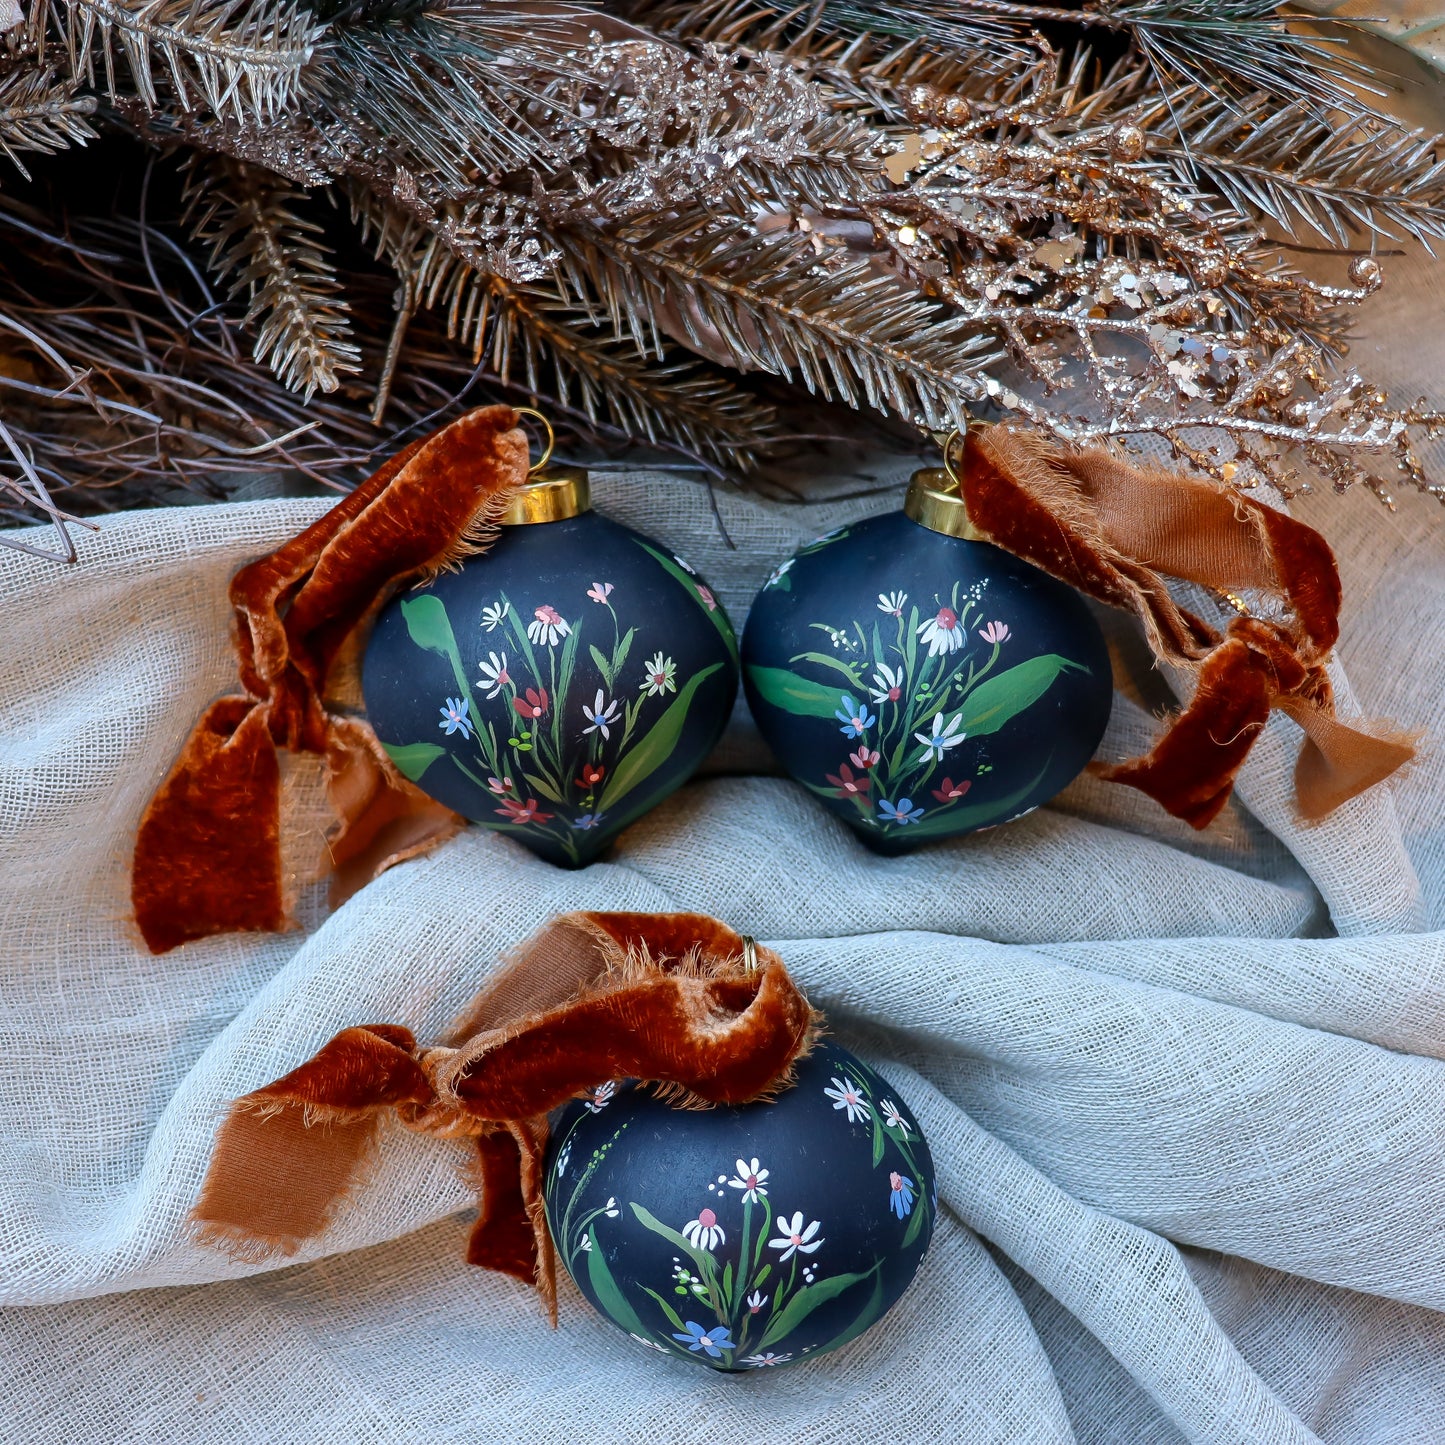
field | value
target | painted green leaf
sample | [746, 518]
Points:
[821, 659]
[807, 1299]
[623, 648]
[413, 759]
[994, 702]
[612, 1300]
[544, 788]
[603, 666]
[915, 1224]
[867, 1316]
[974, 815]
[652, 1222]
[430, 628]
[877, 1142]
[656, 746]
[673, 1317]
[715, 614]
[800, 696]
[826, 540]
[427, 622]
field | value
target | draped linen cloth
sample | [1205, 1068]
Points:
[1186, 1092]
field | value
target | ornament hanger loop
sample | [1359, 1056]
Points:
[551, 437]
[954, 438]
[750, 955]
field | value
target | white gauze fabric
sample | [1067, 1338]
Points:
[1185, 1091]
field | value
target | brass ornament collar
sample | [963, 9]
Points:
[935, 495]
[551, 495]
[553, 491]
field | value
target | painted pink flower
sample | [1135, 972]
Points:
[547, 626]
[500, 785]
[949, 790]
[864, 758]
[534, 704]
[515, 812]
[847, 785]
[600, 591]
[709, 601]
[996, 633]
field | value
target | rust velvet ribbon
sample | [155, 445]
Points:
[1115, 530]
[208, 855]
[664, 998]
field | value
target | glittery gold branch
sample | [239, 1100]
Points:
[927, 208]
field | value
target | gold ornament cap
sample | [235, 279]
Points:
[552, 492]
[935, 497]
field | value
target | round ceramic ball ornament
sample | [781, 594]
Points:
[558, 686]
[744, 1238]
[923, 684]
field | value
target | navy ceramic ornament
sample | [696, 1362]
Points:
[744, 1238]
[922, 684]
[558, 686]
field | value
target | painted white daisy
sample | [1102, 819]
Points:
[942, 632]
[601, 1096]
[601, 715]
[749, 1179]
[704, 1232]
[758, 1362]
[661, 676]
[938, 742]
[547, 626]
[892, 603]
[893, 1118]
[887, 685]
[793, 1238]
[495, 615]
[494, 674]
[848, 1096]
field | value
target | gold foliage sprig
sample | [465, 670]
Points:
[1075, 214]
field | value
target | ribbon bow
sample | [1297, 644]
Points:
[208, 855]
[677, 999]
[1111, 528]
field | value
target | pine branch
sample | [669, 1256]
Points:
[1232, 46]
[40, 113]
[534, 335]
[460, 94]
[1334, 178]
[302, 329]
[841, 325]
[239, 57]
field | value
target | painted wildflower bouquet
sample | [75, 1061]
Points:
[795, 1247]
[922, 685]
[560, 708]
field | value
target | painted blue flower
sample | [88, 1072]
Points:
[855, 717]
[900, 1199]
[901, 812]
[587, 820]
[714, 1341]
[455, 719]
